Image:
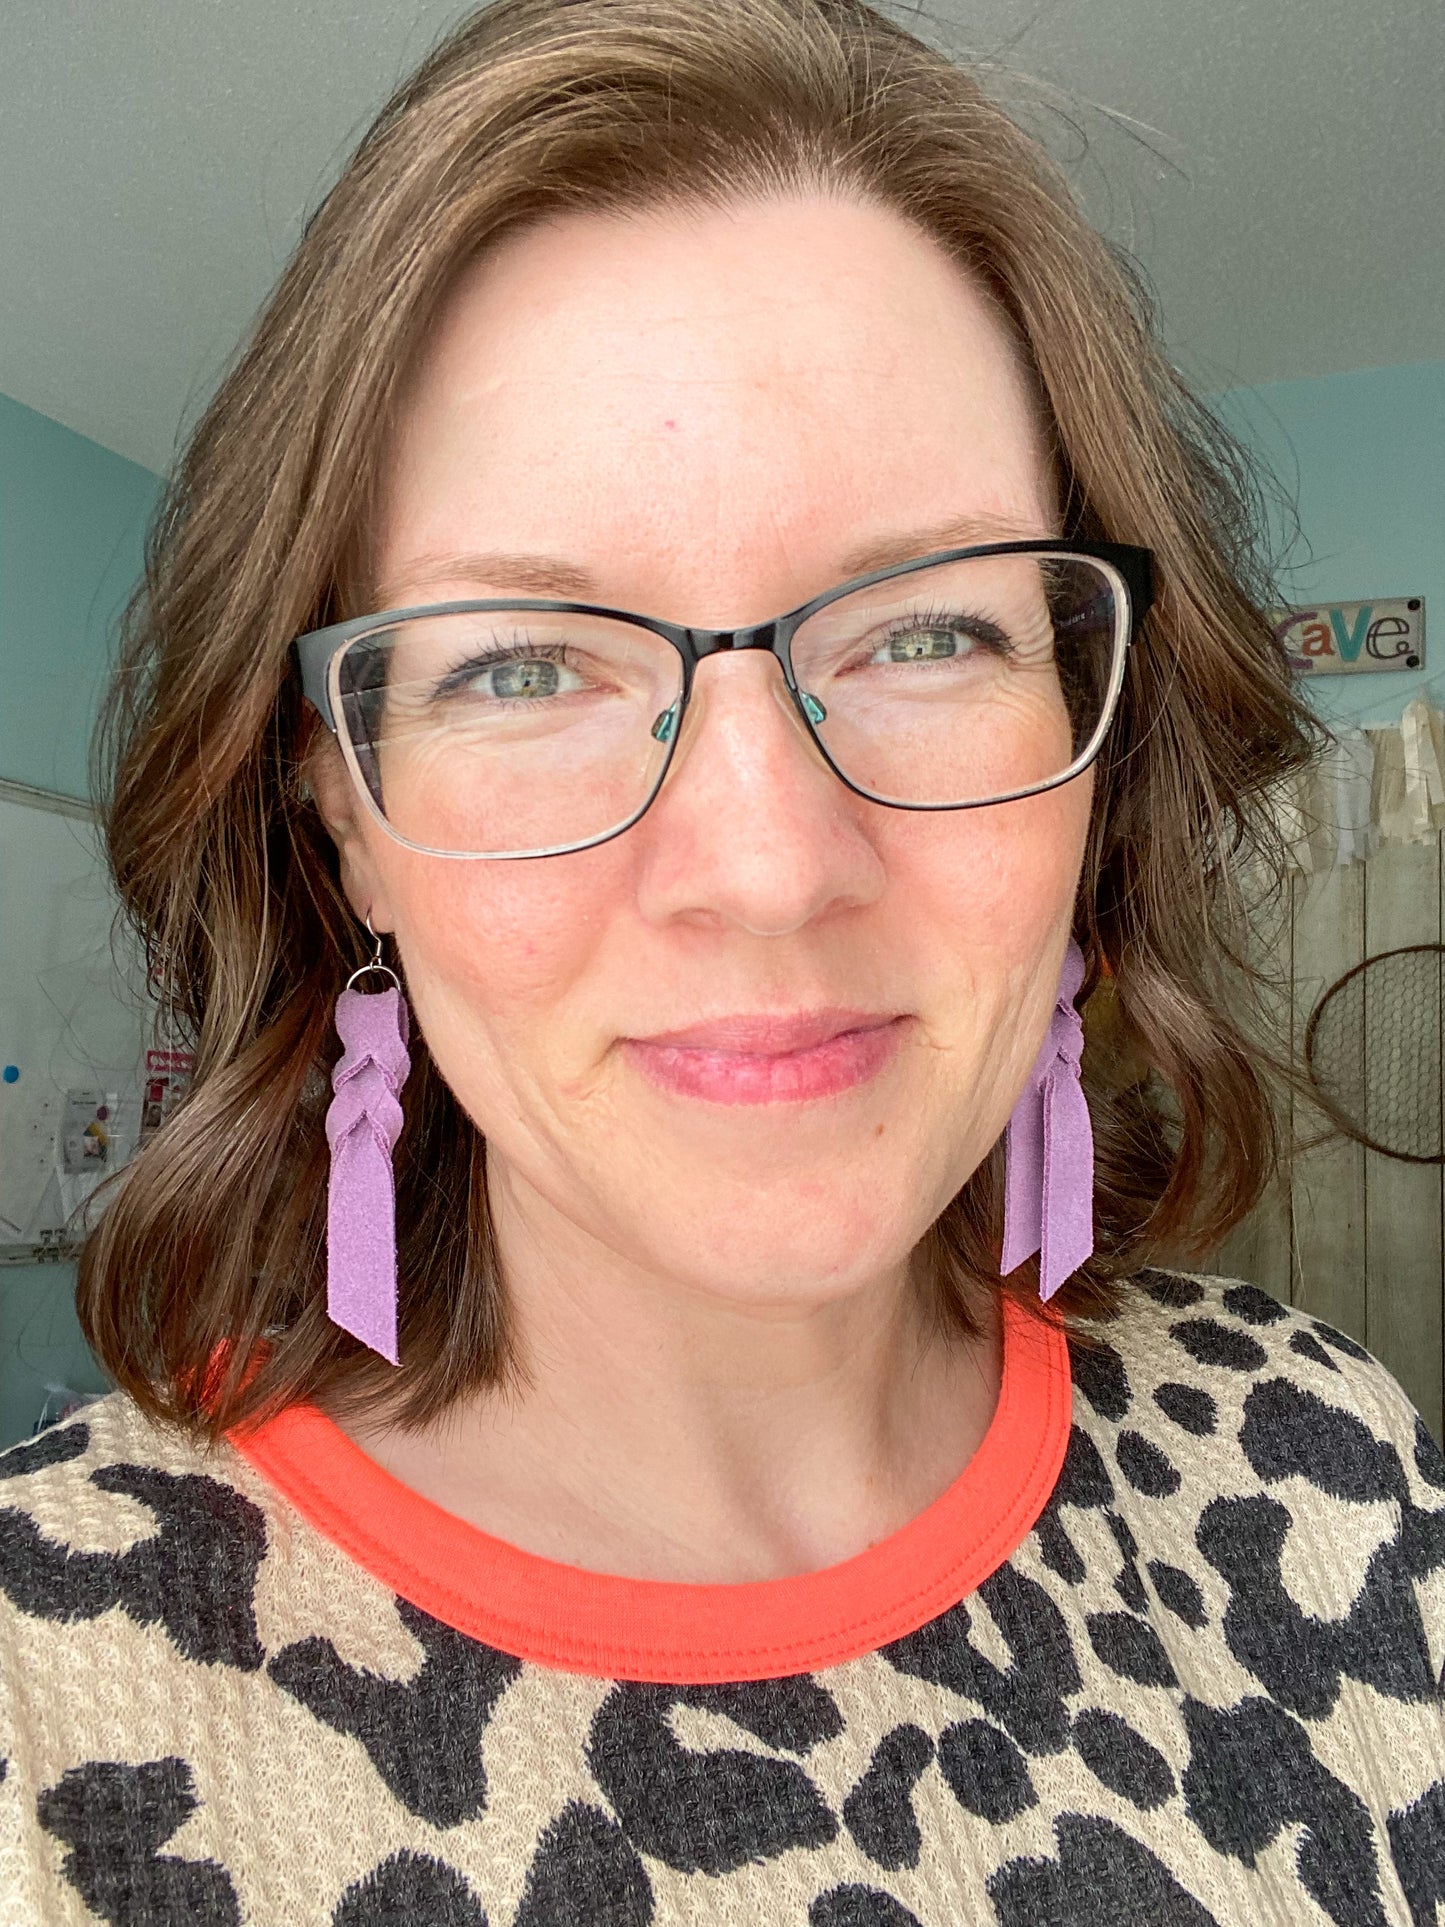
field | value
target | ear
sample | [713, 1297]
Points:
[352, 829]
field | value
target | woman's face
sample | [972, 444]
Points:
[705, 417]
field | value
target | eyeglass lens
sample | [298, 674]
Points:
[511, 731]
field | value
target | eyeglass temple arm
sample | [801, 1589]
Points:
[311, 654]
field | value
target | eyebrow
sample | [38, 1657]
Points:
[551, 576]
[882, 552]
[536, 575]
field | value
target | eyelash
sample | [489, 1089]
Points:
[931, 618]
[513, 652]
[938, 618]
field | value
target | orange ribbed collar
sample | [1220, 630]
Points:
[640, 1629]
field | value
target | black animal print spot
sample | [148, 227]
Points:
[1101, 1878]
[1340, 1340]
[1123, 1534]
[1417, 1846]
[585, 1869]
[196, 1576]
[986, 1771]
[1251, 1771]
[1166, 1289]
[1189, 1406]
[1128, 1582]
[1179, 1592]
[854, 1906]
[1288, 1430]
[1083, 1481]
[1254, 1306]
[1429, 1460]
[1211, 1343]
[879, 1811]
[792, 1714]
[113, 1819]
[423, 1735]
[709, 1812]
[1099, 1373]
[1298, 1658]
[1308, 1346]
[1123, 1759]
[1131, 1648]
[410, 1887]
[1028, 1698]
[1056, 1549]
[55, 1447]
[1147, 1468]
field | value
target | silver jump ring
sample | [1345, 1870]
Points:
[375, 962]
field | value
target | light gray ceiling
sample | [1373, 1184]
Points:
[1278, 166]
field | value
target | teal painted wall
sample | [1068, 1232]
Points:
[1363, 455]
[72, 520]
[40, 1345]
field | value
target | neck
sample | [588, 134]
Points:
[670, 1433]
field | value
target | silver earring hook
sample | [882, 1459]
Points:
[375, 963]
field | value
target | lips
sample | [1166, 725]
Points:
[769, 1059]
[768, 1035]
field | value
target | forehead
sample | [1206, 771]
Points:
[683, 392]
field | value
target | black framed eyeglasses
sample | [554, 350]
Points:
[503, 728]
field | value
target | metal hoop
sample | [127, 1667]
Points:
[375, 963]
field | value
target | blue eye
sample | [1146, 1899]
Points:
[521, 674]
[940, 635]
[530, 676]
[922, 645]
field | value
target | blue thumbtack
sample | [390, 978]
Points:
[10, 1073]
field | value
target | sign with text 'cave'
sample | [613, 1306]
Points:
[1351, 638]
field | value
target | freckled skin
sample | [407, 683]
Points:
[707, 412]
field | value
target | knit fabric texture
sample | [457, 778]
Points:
[1202, 1684]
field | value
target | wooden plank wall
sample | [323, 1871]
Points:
[1348, 1234]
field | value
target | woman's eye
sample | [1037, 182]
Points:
[523, 679]
[527, 678]
[943, 637]
[923, 645]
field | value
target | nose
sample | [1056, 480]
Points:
[752, 828]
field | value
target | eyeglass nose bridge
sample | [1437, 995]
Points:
[713, 642]
[770, 636]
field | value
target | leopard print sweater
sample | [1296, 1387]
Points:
[1170, 1651]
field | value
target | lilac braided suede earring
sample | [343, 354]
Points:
[363, 1122]
[1049, 1189]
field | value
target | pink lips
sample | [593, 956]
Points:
[769, 1059]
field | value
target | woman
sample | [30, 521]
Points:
[604, 1450]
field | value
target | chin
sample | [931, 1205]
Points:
[799, 1262]
[743, 1201]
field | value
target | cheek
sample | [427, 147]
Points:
[986, 899]
[490, 947]
[999, 882]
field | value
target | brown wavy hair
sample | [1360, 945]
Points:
[202, 1286]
